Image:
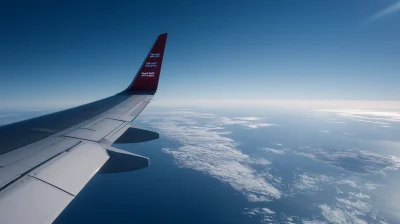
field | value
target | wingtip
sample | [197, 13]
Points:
[149, 73]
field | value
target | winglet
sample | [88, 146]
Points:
[146, 80]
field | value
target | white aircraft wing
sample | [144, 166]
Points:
[46, 161]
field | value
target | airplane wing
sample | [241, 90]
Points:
[46, 161]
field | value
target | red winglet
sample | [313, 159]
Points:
[148, 75]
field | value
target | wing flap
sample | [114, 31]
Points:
[20, 202]
[71, 171]
[14, 170]
[41, 195]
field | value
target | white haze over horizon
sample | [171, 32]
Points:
[41, 105]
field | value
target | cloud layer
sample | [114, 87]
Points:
[348, 205]
[249, 122]
[369, 116]
[275, 151]
[353, 160]
[205, 148]
[394, 8]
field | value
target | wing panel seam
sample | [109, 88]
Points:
[33, 168]
[51, 185]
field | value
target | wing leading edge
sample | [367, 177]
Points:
[46, 161]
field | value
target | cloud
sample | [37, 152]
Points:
[249, 118]
[249, 122]
[207, 114]
[309, 183]
[205, 148]
[347, 210]
[313, 222]
[266, 214]
[7, 115]
[394, 8]
[254, 211]
[351, 183]
[359, 184]
[359, 195]
[369, 116]
[356, 206]
[344, 207]
[339, 216]
[353, 160]
[290, 219]
[285, 104]
[350, 210]
[276, 151]
[259, 125]
[346, 133]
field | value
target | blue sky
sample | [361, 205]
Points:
[61, 53]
